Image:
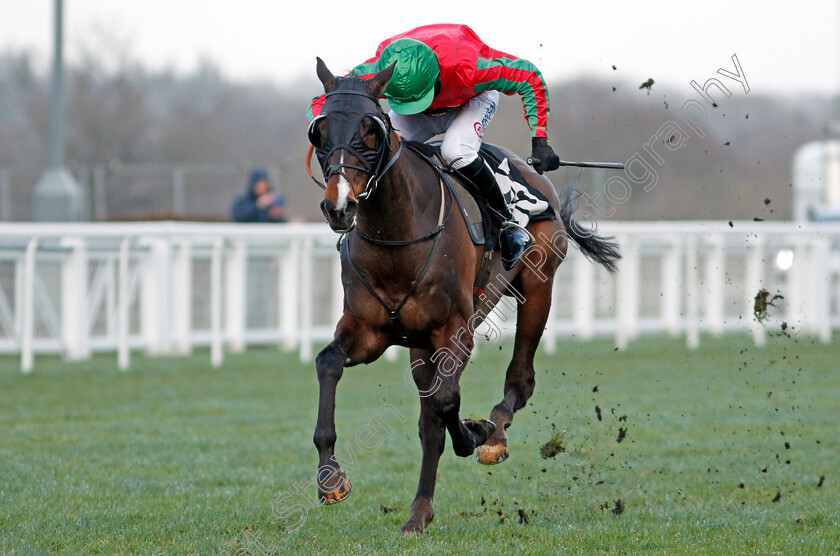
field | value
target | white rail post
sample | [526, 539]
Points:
[74, 283]
[635, 288]
[155, 297]
[111, 300]
[287, 296]
[392, 353]
[306, 344]
[692, 293]
[754, 277]
[27, 357]
[714, 276]
[235, 295]
[810, 289]
[123, 301]
[798, 294]
[337, 294]
[549, 339]
[795, 296]
[821, 281]
[621, 334]
[216, 347]
[627, 292]
[20, 288]
[584, 296]
[671, 300]
[182, 297]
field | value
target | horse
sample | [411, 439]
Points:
[408, 270]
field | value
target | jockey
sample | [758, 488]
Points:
[447, 81]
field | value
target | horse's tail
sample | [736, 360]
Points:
[594, 247]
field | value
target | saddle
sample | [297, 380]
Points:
[527, 204]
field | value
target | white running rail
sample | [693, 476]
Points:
[168, 287]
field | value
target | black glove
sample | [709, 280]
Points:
[543, 157]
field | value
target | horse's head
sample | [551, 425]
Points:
[352, 139]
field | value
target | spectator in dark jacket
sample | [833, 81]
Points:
[259, 203]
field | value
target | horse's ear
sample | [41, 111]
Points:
[377, 83]
[325, 75]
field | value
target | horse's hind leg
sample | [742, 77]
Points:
[432, 440]
[519, 380]
[454, 344]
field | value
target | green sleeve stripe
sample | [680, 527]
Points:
[529, 99]
[513, 63]
[517, 76]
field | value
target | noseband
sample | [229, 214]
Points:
[346, 109]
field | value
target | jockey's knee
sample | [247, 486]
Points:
[456, 153]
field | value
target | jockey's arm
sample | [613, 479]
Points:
[510, 75]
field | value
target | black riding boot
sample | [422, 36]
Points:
[514, 240]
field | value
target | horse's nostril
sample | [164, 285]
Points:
[326, 207]
[332, 213]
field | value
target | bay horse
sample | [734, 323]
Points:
[408, 269]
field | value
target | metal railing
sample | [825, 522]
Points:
[116, 190]
[168, 287]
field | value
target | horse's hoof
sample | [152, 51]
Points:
[337, 495]
[492, 454]
[495, 450]
[412, 529]
[481, 430]
[422, 514]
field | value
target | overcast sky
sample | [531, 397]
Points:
[790, 47]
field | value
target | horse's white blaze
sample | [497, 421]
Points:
[343, 189]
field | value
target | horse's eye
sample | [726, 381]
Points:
[367, 126]
[370, 132]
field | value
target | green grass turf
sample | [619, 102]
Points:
[175, 457]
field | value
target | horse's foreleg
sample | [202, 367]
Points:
[453, 345]
[352, 344]
[519, 380]
[432, 440]
[333, 485]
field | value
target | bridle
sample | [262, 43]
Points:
[346, 109]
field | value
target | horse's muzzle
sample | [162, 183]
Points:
[340, 220]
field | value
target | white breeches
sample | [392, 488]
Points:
[462, 128]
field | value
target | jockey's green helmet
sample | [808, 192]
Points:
[412, 87]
